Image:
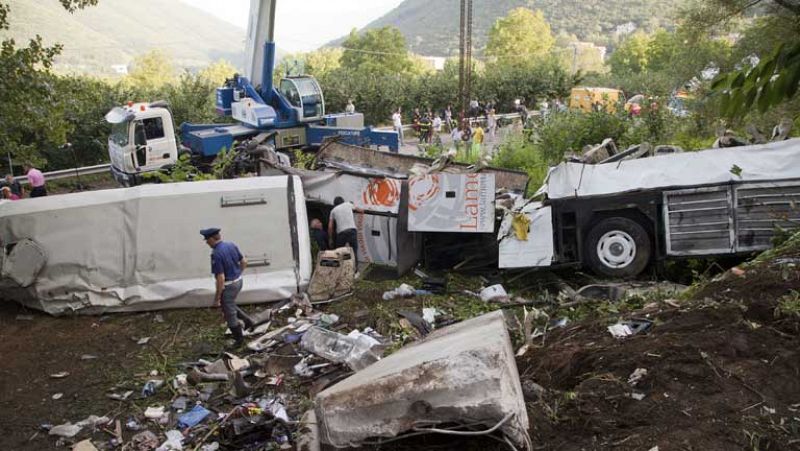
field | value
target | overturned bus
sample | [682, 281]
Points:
[133, 249]
[616, 218]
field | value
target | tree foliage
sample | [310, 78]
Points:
[378, 51]
[521, 35]
[774, 79]
[151, 69]
[31, 108]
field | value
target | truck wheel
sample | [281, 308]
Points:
[617, 247]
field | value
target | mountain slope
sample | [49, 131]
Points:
[115, 31]
[431, 27]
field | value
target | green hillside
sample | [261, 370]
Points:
[115, 31]
[431, 27]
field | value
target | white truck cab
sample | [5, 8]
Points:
[142, 140]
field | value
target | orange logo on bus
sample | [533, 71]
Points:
[381, 191]
[421, 190]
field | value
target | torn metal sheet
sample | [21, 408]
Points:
[337, 154]
[537, 249]
[139, 248]
[764, 162]
[451, 203]
[464, 371]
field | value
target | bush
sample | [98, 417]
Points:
[571, 131]
[515, 152]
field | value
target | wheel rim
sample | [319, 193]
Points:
[616, 249]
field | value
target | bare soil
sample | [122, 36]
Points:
[723, 370]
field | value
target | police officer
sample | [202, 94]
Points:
[227, 265]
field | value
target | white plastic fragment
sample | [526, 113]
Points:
[174, 442]
[620, 330]
[636, 376]
[67, 430]
[494, 293]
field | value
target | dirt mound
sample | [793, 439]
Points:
[722, 371]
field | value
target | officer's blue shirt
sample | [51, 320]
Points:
[225, 259]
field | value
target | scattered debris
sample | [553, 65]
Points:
[624, 329]
[58, 396]
[24, 318]
[60, 375]
[403, 291]
[357, 352]
[174, 442]
[143, 341]
[85, 445]
[636, 376]
[193, 417]
[67, 430]
[144, 441]
[494, 293]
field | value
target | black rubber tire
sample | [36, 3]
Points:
[623, 224]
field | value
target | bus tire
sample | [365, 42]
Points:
[617, 247]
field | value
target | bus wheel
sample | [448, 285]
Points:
[617, 247]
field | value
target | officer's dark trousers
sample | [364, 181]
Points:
[349, 237]
[229, 294]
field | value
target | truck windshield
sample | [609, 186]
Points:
[119, 134]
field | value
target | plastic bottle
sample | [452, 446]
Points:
[355, 352]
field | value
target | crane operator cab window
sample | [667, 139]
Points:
[305, 95]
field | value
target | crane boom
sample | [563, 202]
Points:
[260, 45]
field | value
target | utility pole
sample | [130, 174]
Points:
[465, 56]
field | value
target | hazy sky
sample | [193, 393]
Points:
[304, 25]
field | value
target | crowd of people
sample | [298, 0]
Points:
[466, 132]
[11, 189]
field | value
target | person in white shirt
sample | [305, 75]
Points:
[437, 126]
[397, 122]
[456, 136]
[343, 223]
[350, 108]
[491, 123]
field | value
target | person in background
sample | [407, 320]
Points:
[8, 195]
[491, 124]
[466, 136]
[425, 129]
[477, 139]
[36, 180]
[474, 108]
[227, 265]
[342, 226]
[456, 137]
[16, 188]
[397, 123]
[350, 108]
[437, 127]
[448, 119]
[319, 235]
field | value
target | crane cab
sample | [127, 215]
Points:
[305, 96]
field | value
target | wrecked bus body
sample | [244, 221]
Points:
[134, 249]
[617, 217]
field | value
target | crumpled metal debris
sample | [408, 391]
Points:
[466, 370]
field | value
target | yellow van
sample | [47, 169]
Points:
[592, 99]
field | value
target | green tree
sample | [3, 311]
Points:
[31, 108]
[378, 51]
[153, 69]
[216, 73]
[768, 54]
[521, 35]
[631, 56]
